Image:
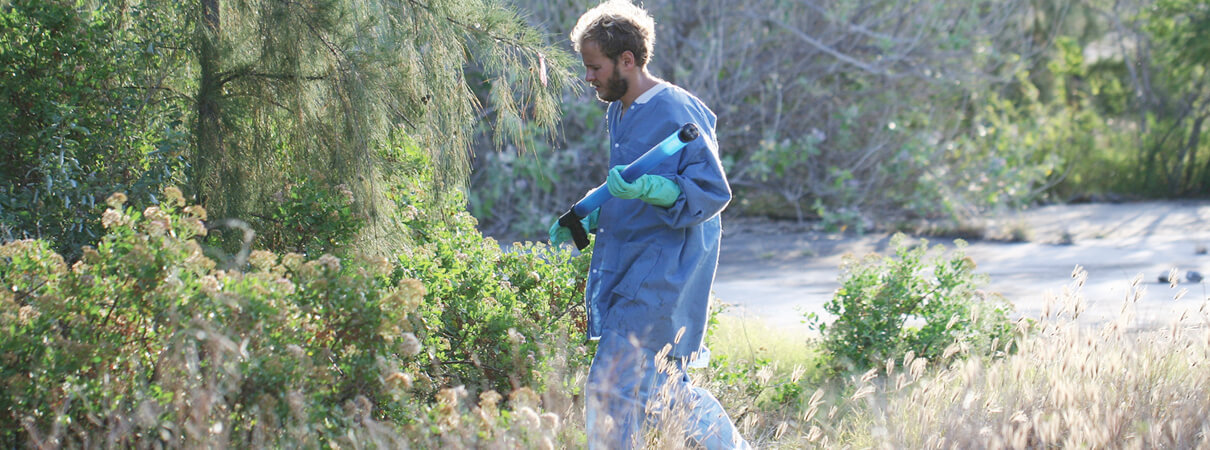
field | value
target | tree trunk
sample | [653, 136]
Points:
[1195, 135]
[211, 152]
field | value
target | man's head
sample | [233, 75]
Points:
[615, 40]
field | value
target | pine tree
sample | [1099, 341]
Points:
[288, 88]
[244, 96]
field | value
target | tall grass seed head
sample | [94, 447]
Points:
[380, 265]
[489, 402]
[54, 263]
[14, 248]
[968, 263]
[400, 380]
[451, 396]
[9, 310]
[389, 329]
[550, 421]
[89, 255]
[515, 337]
[411, 294]
[409, 344]
[193, 248]
[448, 418]
[360, 407]
[6, 300]
[527, 419]
[138, 256]
[156, 221]
[523, 397]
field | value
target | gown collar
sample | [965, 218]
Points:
[655, 90]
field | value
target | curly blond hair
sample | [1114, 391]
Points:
[617, 26]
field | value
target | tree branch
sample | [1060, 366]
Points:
[161, 88]
[23, 295]
[472, 29]
[824, 47]
[272, 76]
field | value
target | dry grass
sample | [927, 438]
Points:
[1066, 386]
[1063, 384]
[778, 356]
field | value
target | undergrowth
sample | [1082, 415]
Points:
[147, 342]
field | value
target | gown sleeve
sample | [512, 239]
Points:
[699, 173]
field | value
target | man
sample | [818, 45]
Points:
[657, 244]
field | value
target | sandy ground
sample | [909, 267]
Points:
[777, 272]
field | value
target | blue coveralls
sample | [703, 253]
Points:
[649, 281]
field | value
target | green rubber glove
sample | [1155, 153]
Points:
[653, 189]
[560, 234]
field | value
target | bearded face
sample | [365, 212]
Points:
[602, 73]
[612, 88]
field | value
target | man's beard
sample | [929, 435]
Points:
[614, 89]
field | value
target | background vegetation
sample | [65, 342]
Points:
[891, 113]
[245, 222]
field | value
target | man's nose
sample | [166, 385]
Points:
[590, 76]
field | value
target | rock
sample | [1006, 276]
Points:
[1192, 276]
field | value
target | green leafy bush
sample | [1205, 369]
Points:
[311, 218]
[490, 313]
[889, 306]
[144, 342]
[73, 129]
[144, 328]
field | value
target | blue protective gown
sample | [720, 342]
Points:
[652, 267]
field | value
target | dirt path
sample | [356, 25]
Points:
[777, 272]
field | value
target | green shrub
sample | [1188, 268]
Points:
[888, 306]
[490, 313]
[491, 317]
[143, 329]
[144, 342]
[311, 218]
[72, 127]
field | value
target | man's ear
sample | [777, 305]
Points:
[627, 59]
